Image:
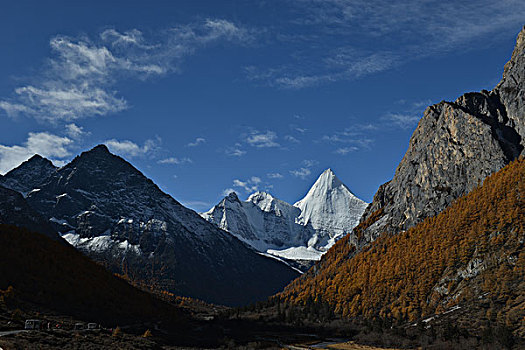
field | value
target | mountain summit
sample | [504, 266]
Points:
[28, 175]
[303, 231]
[331, 208]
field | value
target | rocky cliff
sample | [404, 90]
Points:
[455, 146]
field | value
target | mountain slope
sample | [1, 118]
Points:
[470, 254]
[303, 231]
[48, 276]
[112, 212]
[14, 210]
[454, 147]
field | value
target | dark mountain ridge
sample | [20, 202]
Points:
[50, 277]
[109, 210]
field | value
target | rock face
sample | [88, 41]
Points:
[28, 175]
[109, 210]
[454, 147]
[14, 210]
[301, 232]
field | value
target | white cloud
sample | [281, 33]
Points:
[74, 131]
[235, 151]
[249, 185]
[345, 40]
[345, 150]
[131, 37]
[262, 140]
[366, 127]
[131, 149]
[222, 28]
[43, 143]
[196, 204]
[303, 173]
[177, 161]
[309, 163]
[352, 136]
[404, 121]
[274, 175]
[198, 141]
[291, 139]
[78, 80]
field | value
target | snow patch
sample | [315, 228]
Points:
[99, 244]
[298, 253]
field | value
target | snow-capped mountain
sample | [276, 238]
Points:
[108, 209]
[262, 221]
[331, 208]
[303, 231]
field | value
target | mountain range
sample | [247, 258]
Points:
[110, 211]
[300, 232]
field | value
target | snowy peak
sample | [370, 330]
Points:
[326, 183]
[330, 207]
[262, 221]
[328, 180]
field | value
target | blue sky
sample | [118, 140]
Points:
[209, 96]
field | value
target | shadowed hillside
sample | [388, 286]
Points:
[47, 275]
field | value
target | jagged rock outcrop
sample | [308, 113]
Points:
[454, 147]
